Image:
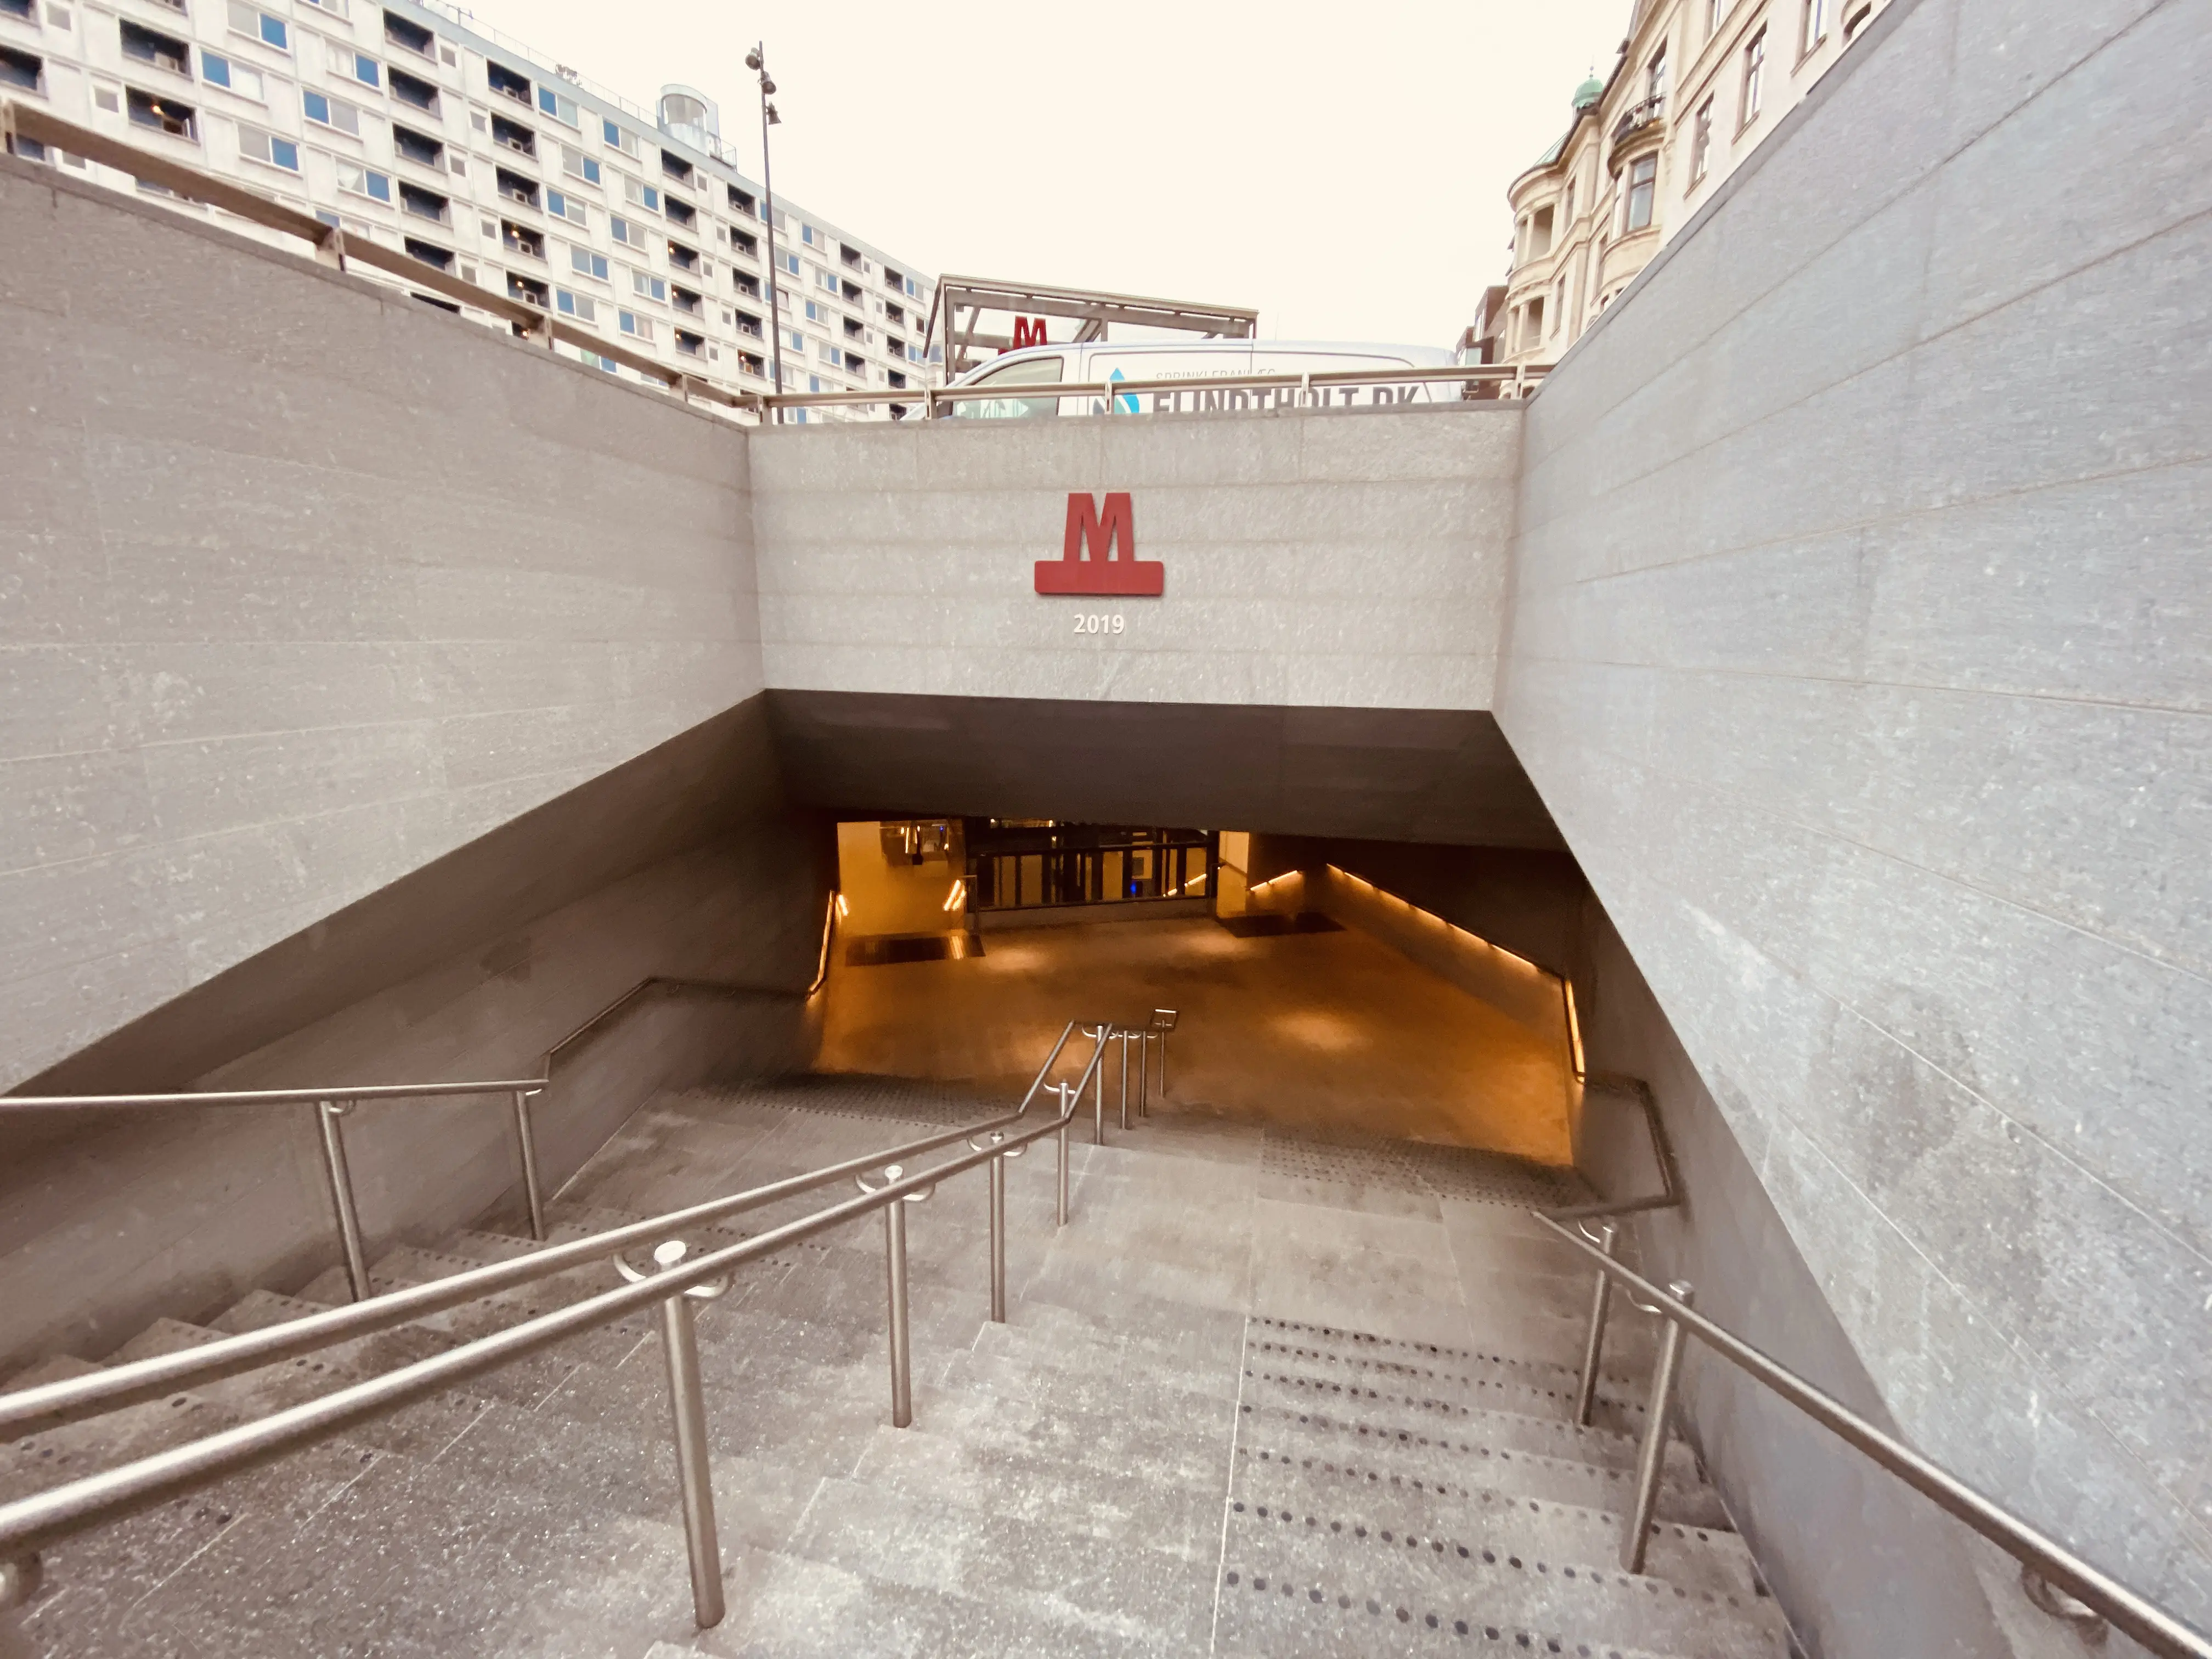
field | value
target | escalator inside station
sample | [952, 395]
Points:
[1306, 998]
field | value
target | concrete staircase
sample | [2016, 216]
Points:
[1172, 1446]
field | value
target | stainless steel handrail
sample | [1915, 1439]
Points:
[14, 1103]
[73, 1398]
[2147, 1623]
[31, 1524]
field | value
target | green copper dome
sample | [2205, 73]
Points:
[1588, 92]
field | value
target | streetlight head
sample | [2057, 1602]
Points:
[753, 59]
[774, 119]
[768, 85]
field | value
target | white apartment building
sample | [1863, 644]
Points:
[417, 128]
[1697, 85]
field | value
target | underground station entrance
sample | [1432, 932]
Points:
[1305, 1014]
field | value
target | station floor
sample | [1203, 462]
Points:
[1312, 1031]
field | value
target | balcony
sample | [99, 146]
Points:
[1639, 118]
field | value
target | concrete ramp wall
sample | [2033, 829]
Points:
[1857, 648]
[306, 585]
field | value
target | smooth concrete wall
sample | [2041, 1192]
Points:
[306, 584]
[1857, 645]
[177, 1212]
[1345, 559]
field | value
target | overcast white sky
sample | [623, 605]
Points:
[1342, 167]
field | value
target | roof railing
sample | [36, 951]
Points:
[30, 1525]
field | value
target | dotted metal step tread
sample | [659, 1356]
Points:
[1596, 1604]
[1696, 1558]
[1471, 1379]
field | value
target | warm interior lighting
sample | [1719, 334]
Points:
[843, 909]
[1454, 927]
[958, 896]
[1574, 1029]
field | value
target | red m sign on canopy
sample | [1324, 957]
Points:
[1099, 554]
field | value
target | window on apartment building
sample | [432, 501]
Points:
[430, 253]
[240, 80]
[409, 36]
[23, 71]
[850, 293]
[828, 353]
[561, 107]
[795, 339]
[419, 94]
[686, 301]
[1716, 13]
[513, 135]
[620, 136]
[529, 291]
[651, 287]
[628, 232]
[269, 151]
[675, 167]
[855, 363]
[339, 115]
[746, 284]
[258, 25]
[749, 324]
[151, 47]
[1643, 185]
[419, 148]
[336, 8]
[1559, 305]
[516, 188]
[506, 82]
[582, 307]
[635, 326]
[359, 180]
[355, 65]
[518, 238]
[683, 257]
[679, 211]
[584, 263]
[1539, 232]
[741, 201]
[690, 345]
[1858, 19]
[741, 243]
[1816, 25]
[149, 109]
[811, 237]
[1655, 75]
[1701, 141]
[1567, 208]
[789, 262]
[562, 205]
[852, 258]
[424, 204]
[1754, 75]
[27, 10]
[577, 165]
[644, 195]
[756, 367]
[854, 331]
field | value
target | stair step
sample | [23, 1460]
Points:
[1601, 1606]
[1463, 1461]
[1116, 1443]
[1541, 1389]
[1112, 1588]
[416, 1431]
[1626, 1377]
[1264, 1615]
[1405, 1414]
[408, 1563]
[604, 1344]
[1199, 1340]
[1696, 1558]
[787, 1606]
[1164, 1410]
[1088, 1352]
[1119, 1506]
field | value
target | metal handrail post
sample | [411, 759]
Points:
[1065, 1112]
[895, 1274]
[340, 1176]
[1651, 1460]
[997, 1175]
[1594, 1345]
[687, 1408]
[1122, 1037]
[527, 1142]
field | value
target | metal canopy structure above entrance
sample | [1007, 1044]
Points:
[1095, 309]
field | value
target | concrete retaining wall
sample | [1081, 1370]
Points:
[307, 583]
[1857, 645]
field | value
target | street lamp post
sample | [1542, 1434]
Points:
[757, 61]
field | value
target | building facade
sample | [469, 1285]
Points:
[420, 129]
[1698, 84]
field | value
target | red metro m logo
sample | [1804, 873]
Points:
[1099, 554]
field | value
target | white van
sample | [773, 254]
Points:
[1198, 359]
